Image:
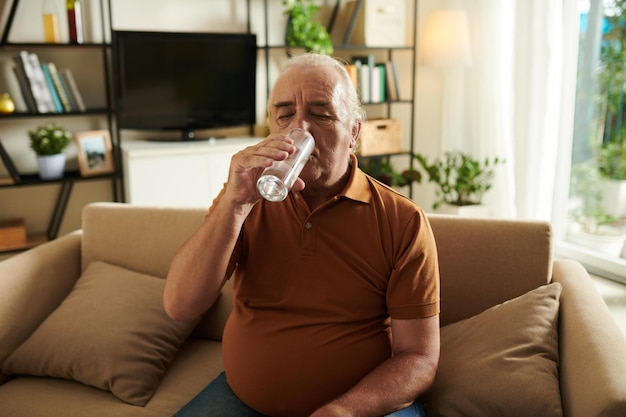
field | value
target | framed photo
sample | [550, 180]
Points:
[95, 154]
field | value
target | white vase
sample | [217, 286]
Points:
[51, 167]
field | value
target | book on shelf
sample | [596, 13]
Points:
[392, 81]
[25, 88]
[60, 87]
[56, 100]
[70, 83]
[46, 88]
[372, 79]
[40, 79]
[36, 87]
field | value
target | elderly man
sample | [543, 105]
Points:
[336, 288]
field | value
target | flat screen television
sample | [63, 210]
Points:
[183, 82]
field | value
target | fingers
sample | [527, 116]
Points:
[262, 155]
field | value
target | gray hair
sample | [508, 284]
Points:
[320, 60]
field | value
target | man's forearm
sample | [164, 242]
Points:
[198, 270]
[393, 385]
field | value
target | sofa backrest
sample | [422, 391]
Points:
[483, 262]
[486, 261]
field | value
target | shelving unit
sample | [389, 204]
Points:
[345, 50]
[66, 183]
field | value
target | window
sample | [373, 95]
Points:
[596, 229]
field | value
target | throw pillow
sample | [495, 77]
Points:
[111, 332]
[501, 362]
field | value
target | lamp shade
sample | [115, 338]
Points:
[445, 40]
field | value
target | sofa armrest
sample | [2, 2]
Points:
[592, 348]
[32, 284]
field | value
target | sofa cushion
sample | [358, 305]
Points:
[503, 361]
[111, 332]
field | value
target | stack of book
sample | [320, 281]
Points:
[375, 82]
[46, 88]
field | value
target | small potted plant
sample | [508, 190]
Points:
[591, 225]
[48, 142]
[302, 31]
[461, 179]
[611, 158]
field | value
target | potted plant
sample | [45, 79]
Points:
[302, 31]
[48, 142]
[591, 222]
[611, 158]
[381, 169]
[461, 180]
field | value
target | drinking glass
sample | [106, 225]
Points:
[277, 179]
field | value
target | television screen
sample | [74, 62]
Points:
[184, 81]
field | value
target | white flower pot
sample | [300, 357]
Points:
[608, 240]
[51, 167]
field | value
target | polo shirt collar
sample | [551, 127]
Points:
[358, 186]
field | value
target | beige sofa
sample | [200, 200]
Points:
[550, 349]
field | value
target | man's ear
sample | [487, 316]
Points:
[356, 131]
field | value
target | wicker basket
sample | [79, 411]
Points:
[380, 136]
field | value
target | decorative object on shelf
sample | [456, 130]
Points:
[7, 105]
[75, 21]
[95, 154]
[377, 23]
[51, 32]
[302, 31]
[380, 137]
[461, 179]
[48, 142]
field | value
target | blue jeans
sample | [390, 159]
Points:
[218, 400]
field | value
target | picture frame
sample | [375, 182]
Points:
[95, 152]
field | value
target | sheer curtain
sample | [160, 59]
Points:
[519, 101]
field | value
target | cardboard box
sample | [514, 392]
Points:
[380, 23]
[380, 136]
[12, 234]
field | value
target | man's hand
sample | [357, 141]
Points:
[247, 165]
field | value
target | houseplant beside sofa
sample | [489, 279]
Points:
[87, 307]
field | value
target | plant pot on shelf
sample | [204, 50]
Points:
[51, 167]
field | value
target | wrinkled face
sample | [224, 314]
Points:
[315, 99]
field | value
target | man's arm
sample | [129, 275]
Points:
[398, 381]
[198, 270]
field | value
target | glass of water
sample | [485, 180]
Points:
[277, 179]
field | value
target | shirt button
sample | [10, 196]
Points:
[308, 225]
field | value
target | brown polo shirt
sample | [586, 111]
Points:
[314, 292]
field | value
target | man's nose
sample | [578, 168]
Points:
[301, 122]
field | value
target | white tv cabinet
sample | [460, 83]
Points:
[177, 174]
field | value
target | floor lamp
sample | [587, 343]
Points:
[445, 44]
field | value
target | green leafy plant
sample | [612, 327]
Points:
[461, 179]
[612, 160]
[585, 189]
[49, 139]
[382, 169]
[611, 122]
[302, 31]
